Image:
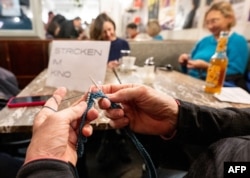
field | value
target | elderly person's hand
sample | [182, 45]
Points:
[183, 59]
[113, 64]
[55, 132]
[144, 109]
[197, 64]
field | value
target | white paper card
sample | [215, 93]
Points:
[234, 95]
[71, 63]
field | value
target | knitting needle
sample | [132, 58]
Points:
[94, 83]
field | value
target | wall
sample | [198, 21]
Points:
[86, 9]
[241, 27]
[116, 10]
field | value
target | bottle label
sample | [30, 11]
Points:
[222, 44]
[213, 75]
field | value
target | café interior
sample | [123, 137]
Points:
[28, 55]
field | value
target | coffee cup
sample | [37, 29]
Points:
[128, 63]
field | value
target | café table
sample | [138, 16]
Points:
[20, 119]
[173, 83]
[177, 85]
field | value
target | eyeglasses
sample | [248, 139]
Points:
[212, 21]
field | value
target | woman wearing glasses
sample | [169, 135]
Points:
[219, 17]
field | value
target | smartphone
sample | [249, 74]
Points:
[22, 101]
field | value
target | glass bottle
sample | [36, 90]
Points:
[149, 71]
[123, 53]
[218, 65]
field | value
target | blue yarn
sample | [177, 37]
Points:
[82, 139]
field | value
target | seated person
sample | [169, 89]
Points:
[131, 30]
[227, 139]
[8, 84]
[53, 28]
[9, 165]
[153, 29]
[219, 17]
[103, 28]
[70, 28]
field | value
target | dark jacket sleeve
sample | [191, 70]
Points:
[45, 168]
[204, 125]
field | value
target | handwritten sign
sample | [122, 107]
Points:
[72, 62]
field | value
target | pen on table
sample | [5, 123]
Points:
[119, 80]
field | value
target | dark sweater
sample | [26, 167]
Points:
[45, 168]
[116, 47]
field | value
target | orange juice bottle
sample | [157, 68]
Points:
[218, 65]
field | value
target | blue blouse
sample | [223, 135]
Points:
[237, 53]
[158, 37]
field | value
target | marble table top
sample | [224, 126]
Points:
[21, 119]
[177, 85]
[172, 83]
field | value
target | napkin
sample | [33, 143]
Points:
[234, 95]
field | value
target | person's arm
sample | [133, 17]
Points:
[147, 111]
[47, 168]
[52, 149]
[237, 63]
[201, 124]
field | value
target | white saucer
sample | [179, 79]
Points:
[132, 69]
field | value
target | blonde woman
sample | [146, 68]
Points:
[219, 17]
[153, 29]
